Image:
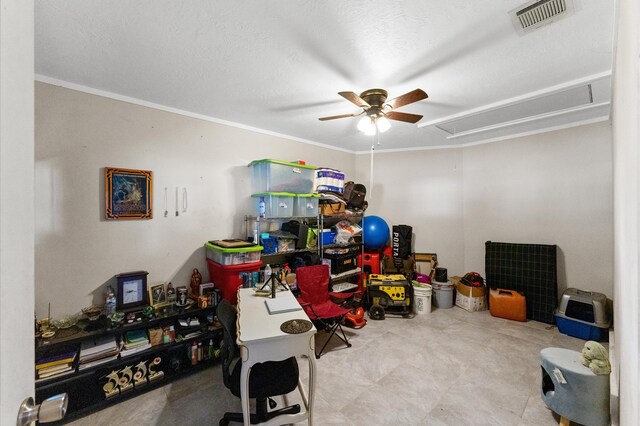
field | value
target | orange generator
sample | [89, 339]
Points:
[507, 304]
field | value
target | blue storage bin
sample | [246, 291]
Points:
[580, 329]
[328, 236]
[270, 245]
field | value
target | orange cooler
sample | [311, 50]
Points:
[507, 304]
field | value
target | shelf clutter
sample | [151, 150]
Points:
[97, 363]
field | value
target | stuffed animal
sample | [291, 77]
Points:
[595, 356]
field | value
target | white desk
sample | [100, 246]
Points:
[260, 339]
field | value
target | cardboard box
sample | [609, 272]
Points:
[472, 299]
[426, 263]
[155, 336]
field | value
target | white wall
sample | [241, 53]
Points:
[16, 206]
[626, 136]
[551, 188]
[78, 134]
[422, 189]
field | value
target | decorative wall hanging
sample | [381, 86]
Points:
[128, 193]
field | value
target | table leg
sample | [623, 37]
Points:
[311, 356]
[244, 393]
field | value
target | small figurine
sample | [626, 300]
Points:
[171, 294]
[125, 379]
[148, 312]
[595, 356]
[111, 387]
[153, 374]
[196, 280]
[140, 376]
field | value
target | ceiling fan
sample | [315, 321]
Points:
[377, 109]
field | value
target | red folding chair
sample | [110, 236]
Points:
[315, 299]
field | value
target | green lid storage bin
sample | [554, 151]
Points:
[233, 256]
[305, 205]
[281, 176]
[276, 204]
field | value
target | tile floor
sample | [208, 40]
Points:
[449, 367]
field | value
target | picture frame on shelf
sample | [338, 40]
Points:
[132, 291]
[128, 193]
[182, 296]
[157, 295]
[204, 288]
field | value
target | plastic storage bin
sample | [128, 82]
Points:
[327, 236]
[305, 205]
[276, 204]
[281, 176]
[581, 329]
[233, 256]
[342, 259]
[227, 277]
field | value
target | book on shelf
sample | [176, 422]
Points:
[136, 337]
[97, 351]
[130, 351]
[40, 379]
[54, 371]
[85, 365]
[62, 358]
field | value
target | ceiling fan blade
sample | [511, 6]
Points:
[333, 117]
[407, 98]
[403, 116]
[354, 99]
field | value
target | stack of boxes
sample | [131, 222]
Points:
[226, 260]
[286, 189]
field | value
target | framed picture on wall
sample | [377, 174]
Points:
[128, 193]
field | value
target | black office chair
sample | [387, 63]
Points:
[267, 379]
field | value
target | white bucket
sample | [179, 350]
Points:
[421, 298]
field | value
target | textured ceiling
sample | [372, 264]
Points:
[277, 65]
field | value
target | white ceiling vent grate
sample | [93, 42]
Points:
[521, 111]
[539, 12]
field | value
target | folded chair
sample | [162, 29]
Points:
[315, 299]
[266, 379]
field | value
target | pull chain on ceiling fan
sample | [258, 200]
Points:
[378, 111]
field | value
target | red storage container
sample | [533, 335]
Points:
[371, 264]
[227, 277]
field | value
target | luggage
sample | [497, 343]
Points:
[507, 304]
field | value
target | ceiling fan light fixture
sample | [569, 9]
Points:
[371, 130]
[366, 124]
[383, 124]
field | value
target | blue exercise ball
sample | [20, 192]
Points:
[375, 232]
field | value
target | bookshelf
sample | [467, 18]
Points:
[146, 366]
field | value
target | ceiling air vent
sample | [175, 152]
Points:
[538, 13]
